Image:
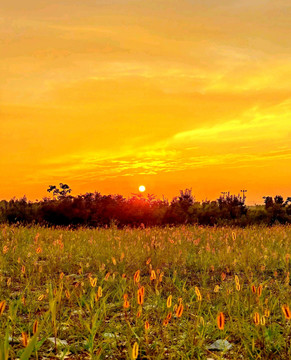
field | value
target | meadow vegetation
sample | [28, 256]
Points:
[145, 293]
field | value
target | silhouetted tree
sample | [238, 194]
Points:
[63, 191]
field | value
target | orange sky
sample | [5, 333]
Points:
[106, 95]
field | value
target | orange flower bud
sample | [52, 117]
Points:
[220, 321]
[126, 304]
[136, 276]
[165, 322]
[35, 327]
[257, 318]
[259, 290]
[93, 282]
[286, 311]
[24, 339]
[153, 275]
[135, 351]
[2, 306]
[179, 310]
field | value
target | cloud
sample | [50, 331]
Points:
[100, 89]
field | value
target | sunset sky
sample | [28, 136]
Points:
[107, 95]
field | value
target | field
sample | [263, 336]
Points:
[145, 293]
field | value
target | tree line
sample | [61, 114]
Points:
[97, 210]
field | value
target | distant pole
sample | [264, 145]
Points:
[244, 196]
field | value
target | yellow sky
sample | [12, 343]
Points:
[106, 95]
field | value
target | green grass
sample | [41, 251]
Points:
[54, 277]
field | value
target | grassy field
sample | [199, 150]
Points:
[145, 293]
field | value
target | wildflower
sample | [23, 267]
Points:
[236, 279]
[254, 289]
[263, 320]
[220, 321]
[267, 312]
[67, 293]
[169, 316]
[62, 275]
[257, 319]
[237, 286]
[153, 275]
[138, 314]
[169, 301]
[135, 351]
[223, 276]
[233, 236]
[286, 311]
[146, 325]
[40, 298]
[93, 281]
[126, 304]
[35, 327]
[140, 296]
[113, 261]
[179, 310]
[99, 292]
[165, 322]
[136, 276]
[24, 339]
[259, 290]
[2, 306]
[197, 291]
[5, 249]
[148, 261]
[39, 250]
[107, 276]
[216, 289]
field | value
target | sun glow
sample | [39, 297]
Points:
[141, 188]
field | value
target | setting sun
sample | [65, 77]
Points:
[141, 188]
